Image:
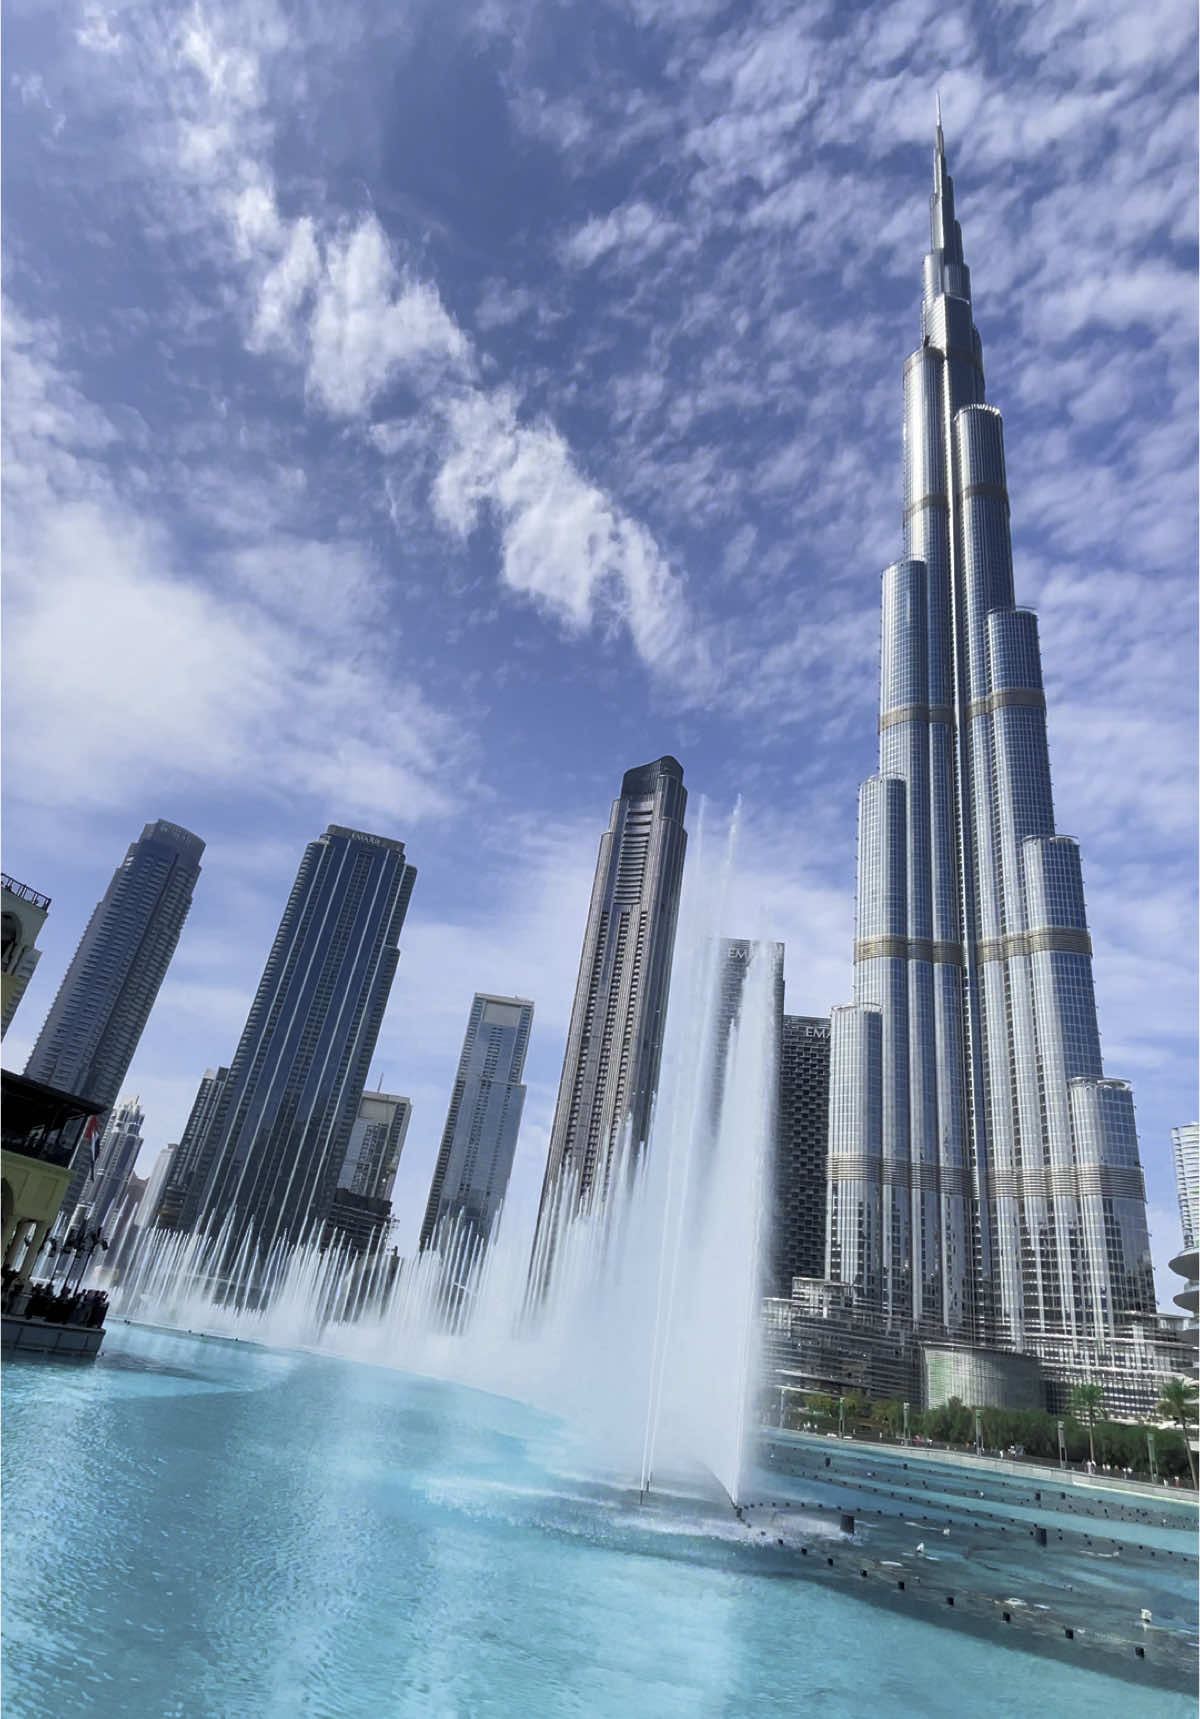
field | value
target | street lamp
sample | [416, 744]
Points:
[841, 1417]
[1062, 1445]
[1153, 1456]
[906, 1438]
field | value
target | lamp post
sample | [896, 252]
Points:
[978, 1432]
[841, 1417]
[85, 1247]
[1153, 1455]
[906, 1437]
[1062, 1445]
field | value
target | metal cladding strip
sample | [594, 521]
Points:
[1066, 939]
[1031, 698]
[908, 949]
[1106, 1181]
[917, 713]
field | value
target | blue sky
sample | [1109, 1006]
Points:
[417, 415]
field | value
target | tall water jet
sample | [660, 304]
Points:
[645, 1334]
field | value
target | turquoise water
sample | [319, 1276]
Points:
[202, 1530]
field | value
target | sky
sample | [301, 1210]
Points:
[417, 415]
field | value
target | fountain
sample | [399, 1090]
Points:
[522, 1504]
[647, 1331]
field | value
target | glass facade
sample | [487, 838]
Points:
[376, 1142]
[479, 1140]
[104, 1002]
[984, 1177]
[1185, 1149]
[269, 1153]
[802, 1152]
[614, 1043]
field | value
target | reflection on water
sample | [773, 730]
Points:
[213, 1531]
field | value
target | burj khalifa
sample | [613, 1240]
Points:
[984, 1178]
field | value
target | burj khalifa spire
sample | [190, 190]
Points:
[984, 1179]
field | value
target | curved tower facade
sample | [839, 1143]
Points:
[610, 1070]
[272, 1131]
[984, 1180]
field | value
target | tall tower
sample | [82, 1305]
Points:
[734, 958]
[115, 1157]
[610, 1070]
[188, 1166]
[104, 1002]
[984, 1180]
[273, 1146]
[376, 1142]
[1185, 1150]
[480, 1137]
[801, 1153]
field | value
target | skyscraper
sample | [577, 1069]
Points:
[984, 1180]
[104, 1002]
[376, 1142]
[188, 1165]
[735, 956]
[273, 1147]
[1185, 1150]
[802, 1152]
[614, 1044]
[115, 1157]
[480, 1137]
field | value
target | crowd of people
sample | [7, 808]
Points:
[61, 1306]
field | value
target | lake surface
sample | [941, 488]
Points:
[207, 1530]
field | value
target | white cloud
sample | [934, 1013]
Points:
[360, 324]
[369, 324]
[125, 671]
[635, 230]
[563, 541]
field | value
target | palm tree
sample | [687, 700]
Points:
[1086, 1404]
[1177, 1402]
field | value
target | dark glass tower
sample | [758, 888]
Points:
[802, 1152]
[479, 1140]
[185, 1163]
[984, 1180]
[277, 1135]
[104, 1002]
[614, 1045]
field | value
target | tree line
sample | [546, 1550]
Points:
[1121, 1445]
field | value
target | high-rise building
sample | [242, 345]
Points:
[376, 1142]
[22, 914]
[475, 1158]
[104, 1002]
[802, 1152]
[614, 1044]
[271, 1152]
[189, 1165]
[984, 1178]
[734, 958]
[1185, 1150]
[155, 1183]
[361, 1207]
[116, 1154]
